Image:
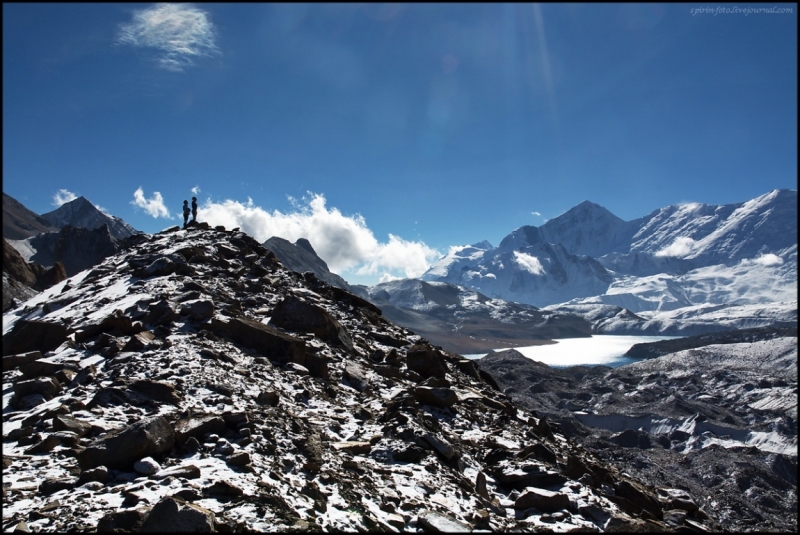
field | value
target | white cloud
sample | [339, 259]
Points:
[537, 214]
[195, 190]
[768, 259]
[62, 196]
[344, 242]
[179, 32]
[153, 206]
[680, 248]
[529, 263]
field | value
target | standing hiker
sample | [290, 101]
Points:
[194, 209]
[186, 212]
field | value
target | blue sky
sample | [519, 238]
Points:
[386, 133]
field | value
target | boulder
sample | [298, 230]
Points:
[294, 314]
[46, 386]
[637, 495]
[62, 422]
[33, 335]
[149, 437]
[436, 397]
[544, 500]
[426, 361]
[197, 427]
[175, 515]
[128, 521]
[356, 376]
[630, 438]
[13, 361]
[157, 390]
[270, 342]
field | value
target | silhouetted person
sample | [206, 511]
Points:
[194, 209]
[186, 212]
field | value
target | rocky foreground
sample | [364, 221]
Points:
[718, 421]
[193, 383]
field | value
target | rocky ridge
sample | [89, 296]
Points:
[191, 382]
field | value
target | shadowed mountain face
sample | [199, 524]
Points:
[20, 223]
[23, 280]
[76, 248]
[301, 257]
[193, 381]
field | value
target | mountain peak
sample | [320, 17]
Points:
[80, 212]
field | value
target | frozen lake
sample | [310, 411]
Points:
[599, 350]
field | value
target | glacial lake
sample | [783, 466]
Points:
[599, 350]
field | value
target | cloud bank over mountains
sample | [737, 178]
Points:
[345, 242]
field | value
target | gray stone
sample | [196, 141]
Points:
[147, 466]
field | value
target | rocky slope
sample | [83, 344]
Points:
[718, 421]
[193, 383]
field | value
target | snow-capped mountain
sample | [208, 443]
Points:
[523, 268]
[82, 213]
[680, 255]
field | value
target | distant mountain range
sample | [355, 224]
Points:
[677, 256]
[681, 270]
